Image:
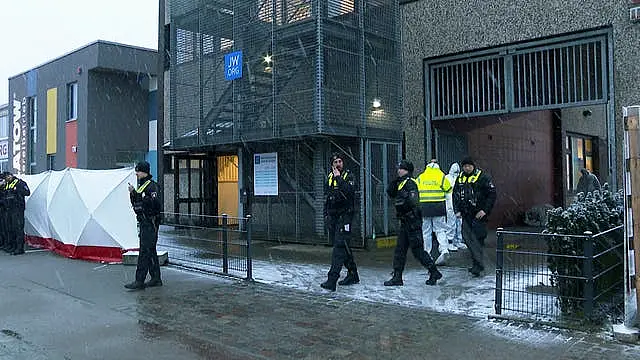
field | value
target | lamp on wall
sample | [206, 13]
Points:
[268, 60]
[377, 104]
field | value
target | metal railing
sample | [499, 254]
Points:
[217, 244]
[554, 277]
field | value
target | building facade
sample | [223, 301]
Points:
[4, 137]
[533, 91]
[92, 108]
[259, 93]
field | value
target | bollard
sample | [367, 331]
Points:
[499, 267]
[249, 261]
[225, 245]
[588, 274]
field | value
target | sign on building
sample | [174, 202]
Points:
[265, 174]
[233, 65]
[4, 149]
[19, 135]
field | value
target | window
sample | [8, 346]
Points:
[4, 123]
[185, 48]
[33, 133]
[581, 154]
[4, 135]
[51, 162]
[72, 101]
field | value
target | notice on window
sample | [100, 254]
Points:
[265, 174]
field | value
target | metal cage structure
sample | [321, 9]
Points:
[300, 77]
[307, 67]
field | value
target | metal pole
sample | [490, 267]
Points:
[225, 244]
[499, 267]
[249, 254]
[633, 128]
[588, 274]
[160, 100]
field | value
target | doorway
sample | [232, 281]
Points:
[228, 195]
[194, 187]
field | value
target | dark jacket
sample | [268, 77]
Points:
[587, 183]
[146, 200]
[15, 192]
[473, 193]
[340, 191]
[404, 192]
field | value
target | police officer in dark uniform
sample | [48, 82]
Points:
[473, 198]
[3, 215]
[404, 192]
[15, 192]
[338, 214]
[145, 200]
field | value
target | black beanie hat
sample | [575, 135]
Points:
[144, 167]
[406, 165]
[335, 156]
[467, 161]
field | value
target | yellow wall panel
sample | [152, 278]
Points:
[52, 120]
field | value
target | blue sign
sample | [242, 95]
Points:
[233, 65]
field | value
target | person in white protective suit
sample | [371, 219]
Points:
[432, 187]
[454, 224]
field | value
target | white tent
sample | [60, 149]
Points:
[84, 214]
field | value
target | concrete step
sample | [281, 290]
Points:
[131, 257]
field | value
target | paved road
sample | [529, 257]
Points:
[55, 308]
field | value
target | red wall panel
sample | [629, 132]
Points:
[71, 144]
[517, 150]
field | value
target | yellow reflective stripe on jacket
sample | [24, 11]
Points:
[144, 186]
[432, 186]
[469, 179]
[401, 185]
[432, 195]
[332, 181]
[12, 185]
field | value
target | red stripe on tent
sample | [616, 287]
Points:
[91, 253]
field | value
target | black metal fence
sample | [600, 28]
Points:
[553, 277]
[217, 244]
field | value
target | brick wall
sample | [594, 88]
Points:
[517, 150]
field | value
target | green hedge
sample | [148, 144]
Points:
[595, 212]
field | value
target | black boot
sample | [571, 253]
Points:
[396, 280]
[434, 276]
[476, 270]
[351, 278]
[330, 284]
[136, 285]
[153, 283]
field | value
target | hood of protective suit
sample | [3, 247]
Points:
[454, 170]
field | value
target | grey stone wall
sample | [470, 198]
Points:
[437, 27]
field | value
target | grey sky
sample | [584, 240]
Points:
[36, 31]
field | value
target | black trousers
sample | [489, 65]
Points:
[410, 236]
[148, 256]
[15, 230]
[339, 235]
[4, 236]
[474, 232]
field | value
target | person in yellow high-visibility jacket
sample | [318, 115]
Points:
[433, 186]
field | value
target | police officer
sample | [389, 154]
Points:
[404, 192]
[473, 198]
[15, 192]
[146, 204]
[3, 215]
[338, 214]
